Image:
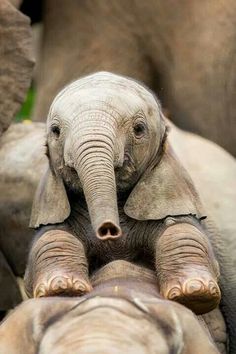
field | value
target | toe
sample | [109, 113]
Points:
[62, 285]
[200, 295]
[194, 287]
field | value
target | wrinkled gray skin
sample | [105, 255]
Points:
[123, 314]
[202, 159]
[115, 190]
[22, 156]
[183, 50]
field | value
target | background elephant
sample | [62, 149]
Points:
[207, 174]
[22, 156]
[16, 62]
[123, 314]
[184, 51]
[16, 65]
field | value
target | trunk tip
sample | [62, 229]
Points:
[108, 231]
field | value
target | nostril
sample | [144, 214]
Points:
[108, 230]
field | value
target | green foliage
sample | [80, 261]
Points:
[26, 109]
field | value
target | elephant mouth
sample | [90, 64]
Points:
[126, 171]
[108, 230]
[128, 160]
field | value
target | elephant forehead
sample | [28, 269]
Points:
[110, 328]
[112, 89]
[119, 102]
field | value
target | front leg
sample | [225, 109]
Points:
[186, 268]
[57, 266]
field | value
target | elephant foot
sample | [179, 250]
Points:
[62, 284]
[186, 267]
[196, 290]
[57, 266]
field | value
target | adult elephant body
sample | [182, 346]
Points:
[124, 314]
[22, 155]
[185, 51]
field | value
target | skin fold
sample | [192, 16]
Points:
[209, 166]
[123, 314]
[184, 50]
[113, 189]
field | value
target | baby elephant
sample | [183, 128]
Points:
[115, 190]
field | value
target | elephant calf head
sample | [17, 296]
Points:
[106, 135]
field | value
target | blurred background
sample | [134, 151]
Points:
[33, 9]
[183, 50]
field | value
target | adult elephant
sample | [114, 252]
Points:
[22, 156]
[123, 314]
[209, 180]
[184, 51]
[16, 62]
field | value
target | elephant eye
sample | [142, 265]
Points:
[139, 129]
[55, 130]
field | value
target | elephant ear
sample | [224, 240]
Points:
[166, 190]
[51, 204]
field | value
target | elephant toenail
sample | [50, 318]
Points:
[40, 291]
[78, 286]
[82, 288]
[214, 290]
[194, 286]
[59, 283]
[173, 293]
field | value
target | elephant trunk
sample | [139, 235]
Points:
[94, 151]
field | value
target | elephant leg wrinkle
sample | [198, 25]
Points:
[63, 257]
[187, 270]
